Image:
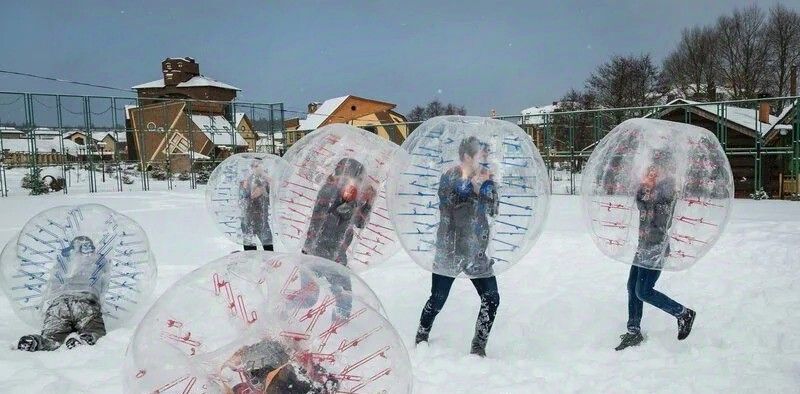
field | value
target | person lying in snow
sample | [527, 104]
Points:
[267, 367]
[655, 200]
[342, 206]
[467, 199]
[72, 299]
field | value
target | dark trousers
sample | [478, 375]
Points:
[78, 313]
[253, 247]
[440, 289]
[640, 290]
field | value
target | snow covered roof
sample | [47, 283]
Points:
[119, 136]
[744, 117]
[42, 146]
[321, 114]
[218, 129]
[9, 130]
[196, 81]
[534, 115]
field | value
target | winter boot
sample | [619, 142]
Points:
[685, 322]
[478, 347]
[422, 336]
[629, 339]
[29, 343]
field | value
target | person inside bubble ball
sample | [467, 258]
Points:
[467, 199]
[72, 299]
[343, 205]
[267, 367]
[254, 201]
[655, 200]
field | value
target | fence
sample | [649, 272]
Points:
[172, 143]
[95, 143]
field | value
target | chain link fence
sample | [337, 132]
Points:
[66, 143]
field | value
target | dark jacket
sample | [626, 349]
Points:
[463, 234]
[656, 206]
[331, 228]
[255, 212]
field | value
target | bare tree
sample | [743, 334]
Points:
[782, 34]
[433, 109]
[691, 67]
[742, 51]
[625, 81]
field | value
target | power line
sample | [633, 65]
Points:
[64, 81]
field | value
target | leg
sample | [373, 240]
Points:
[90, 325]
[644, 291]
[635, 305]
[490, 301]
[342, 288]
[55, 329]
[440, 289]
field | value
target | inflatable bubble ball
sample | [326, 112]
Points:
[241, 195]
[657, 194]
[471, 197]
[257, 322]
[84, 249]
[332, 201]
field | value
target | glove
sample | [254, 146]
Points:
[349, 193]
[487, 188]
[463, 188]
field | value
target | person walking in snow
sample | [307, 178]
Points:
[467, 199]
[342, 206]
[254, 202]
[655, 200]
[72, 300]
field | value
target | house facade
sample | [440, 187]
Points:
[186, 115]
[375, 116]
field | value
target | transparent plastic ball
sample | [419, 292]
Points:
[257, 319]
[471, 197]
[332, 200]
[84, 248]
[657, 194]
[241, 194]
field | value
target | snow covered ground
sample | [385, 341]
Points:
[562, 309]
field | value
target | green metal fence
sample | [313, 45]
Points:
[100, 144]
[103, 144]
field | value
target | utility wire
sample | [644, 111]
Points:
[64, 81]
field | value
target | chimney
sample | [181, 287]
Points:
[763, 108]
[312, 107]
[793, 81]
[179, 69]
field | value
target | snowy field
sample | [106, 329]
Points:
[561, 313]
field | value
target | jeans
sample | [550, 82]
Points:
[440, 289]
[640, 290]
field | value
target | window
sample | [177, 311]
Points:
[352, 107]
[151, 126]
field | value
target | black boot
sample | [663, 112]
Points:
[422, 336]
[685, 322]
[629, 339]
[478, 347]
[28, 343]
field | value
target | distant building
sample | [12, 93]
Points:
[375, 116]
[744, 126]
[186, 116]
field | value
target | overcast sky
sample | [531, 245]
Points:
[503, 55]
